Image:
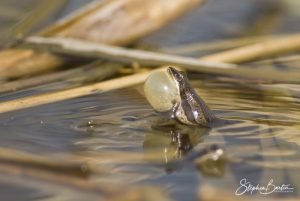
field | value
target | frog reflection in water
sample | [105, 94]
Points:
[169, 91]
[176, 146]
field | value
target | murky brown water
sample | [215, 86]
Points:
[119, 132]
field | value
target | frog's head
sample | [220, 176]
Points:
[168, 90]
[179, 77]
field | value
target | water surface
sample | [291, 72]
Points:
[262, 145]
[119, 132]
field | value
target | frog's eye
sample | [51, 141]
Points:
[178, 75]
[161, 90]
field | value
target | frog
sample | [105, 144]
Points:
[190, 108]
[169, 91]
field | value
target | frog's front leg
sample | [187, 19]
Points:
[172, 113]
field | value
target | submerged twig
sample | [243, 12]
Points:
[82, 185]
[269, 48]
[13, 157]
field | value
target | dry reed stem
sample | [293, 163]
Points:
[118, 22]
[112, 84]
[35, 17]
[216, 45]
[269, 48]
[17, 62]
[73, 93]
[96, 71]
[81, 48]
[140, 78]
[146, 58]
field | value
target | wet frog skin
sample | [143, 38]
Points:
[169, 92]
[189, 108]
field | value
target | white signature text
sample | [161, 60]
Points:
[248, 187]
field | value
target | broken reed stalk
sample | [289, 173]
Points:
[81, 48]
[110, 22]
[119, 22]
[16, 62]
[145, 58]
[269, 48]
